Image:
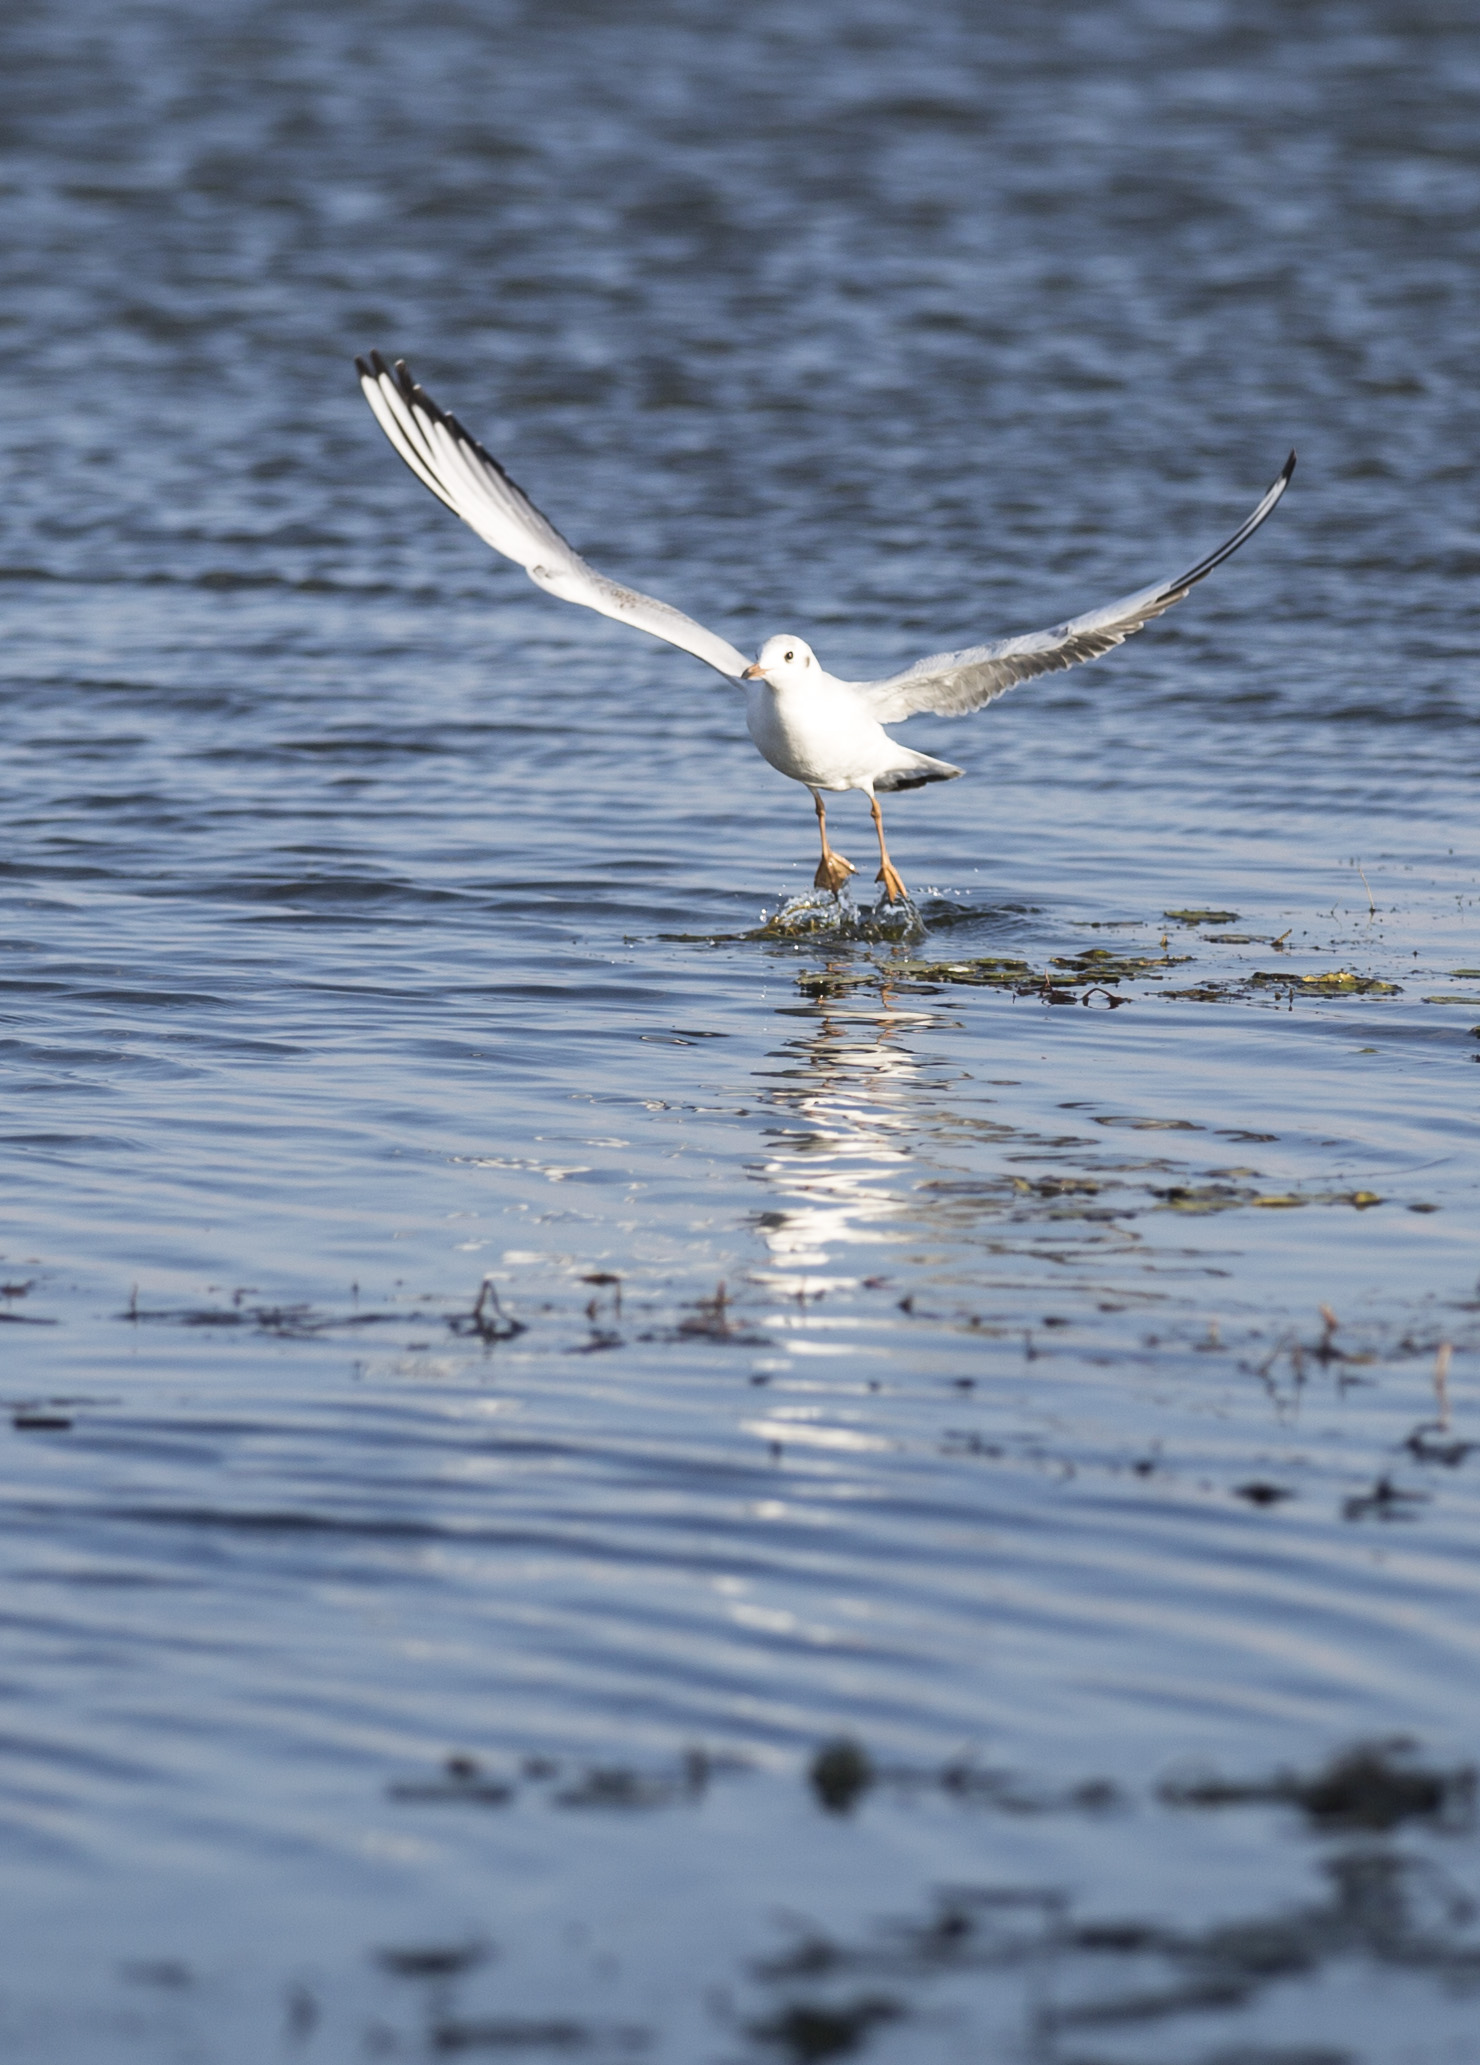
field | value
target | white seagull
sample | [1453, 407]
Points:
[823, 732]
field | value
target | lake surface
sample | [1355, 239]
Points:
[965, 1465]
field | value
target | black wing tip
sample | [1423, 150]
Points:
[1288, 468]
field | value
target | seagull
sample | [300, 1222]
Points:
[826, 733]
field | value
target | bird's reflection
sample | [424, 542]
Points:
[847, 1090]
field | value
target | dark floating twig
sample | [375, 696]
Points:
[606, 1279]
[463, 1782]
[1385, 1501]
[488, 1319]
[10, 1292]
[842, 1773]
[1424, 1446]
[432, 1960]
[710, 1321]
[290, 1322]
[1260, 1494]
[506, 2033]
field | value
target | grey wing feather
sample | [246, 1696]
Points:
[475, 487]
[950, 683]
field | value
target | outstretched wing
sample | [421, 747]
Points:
[951, 683]
[475, 487]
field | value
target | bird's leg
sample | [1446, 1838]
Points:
[894, 889]
[832, 870]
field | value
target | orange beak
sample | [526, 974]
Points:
[754, 672]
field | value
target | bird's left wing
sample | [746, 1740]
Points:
[475, 487]
[951, 683]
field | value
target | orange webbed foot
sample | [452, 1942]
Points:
[833, 872]
[894, 889]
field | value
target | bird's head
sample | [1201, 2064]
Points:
[785, 662]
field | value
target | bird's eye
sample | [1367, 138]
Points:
[790, 656]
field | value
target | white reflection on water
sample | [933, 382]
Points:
[852, 1083]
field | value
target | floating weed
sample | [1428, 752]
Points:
[41, 1423]
[504, 2033]
[624, 1787]
[488, 1320]
[1340, 982]
[1202, 917]
[1066, 974]
[991, 971]
[710, 1320]
[432, 1960]
[1427, 1444]
[1385, 1501]
[1099, 965]
[616, 1785]
[1374, 1786]
[822, 984]
[290, 1322]
[1204, 1197]
[842, 1772]
[809, 2031]
[840, 1775]
[1116, 1972]
[462, 1782]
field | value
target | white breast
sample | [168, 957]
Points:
[820, 734]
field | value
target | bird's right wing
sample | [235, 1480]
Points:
[475, 487]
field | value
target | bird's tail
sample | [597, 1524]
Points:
[914, 771]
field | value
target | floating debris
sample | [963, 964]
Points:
[505, 2033]
[841, 1774]
[1205, 1197]
[462, 1783]
[1427, 1445]
[488, 1319]
[809, 2031]
[1385, 1501]
[1201, 917]
[1099, 965]
[710, 1321]
[618, 1786]
[1373, 1786]
[433, 1960]
[989, 971]
[1065, 975]
[1340, 982]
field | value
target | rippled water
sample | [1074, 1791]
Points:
[932, 1363]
